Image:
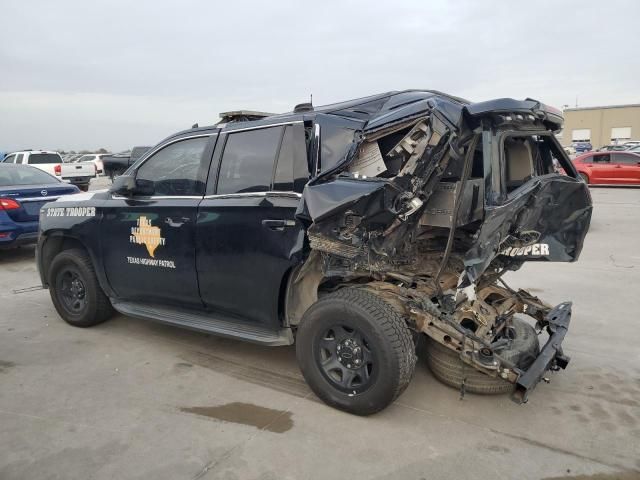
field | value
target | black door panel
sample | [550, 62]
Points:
[245, 246]
[148, 243]
[148, 249]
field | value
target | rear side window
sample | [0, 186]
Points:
[606, 158]
[248, 161]
[625, 159]
[283, 176]
[10, 176]
[43, 158]
[175, 170]
[20, 158]
[9, 159]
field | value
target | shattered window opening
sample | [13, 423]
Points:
[527, 156]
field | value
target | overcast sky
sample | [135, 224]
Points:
[77, 74]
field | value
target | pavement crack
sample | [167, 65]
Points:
[613, 261]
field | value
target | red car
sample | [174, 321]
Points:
[609, 168]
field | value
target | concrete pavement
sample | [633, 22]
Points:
[130, 399]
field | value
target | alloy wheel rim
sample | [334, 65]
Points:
[72, 291]
[345, 358]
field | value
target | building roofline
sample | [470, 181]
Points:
[629, 105]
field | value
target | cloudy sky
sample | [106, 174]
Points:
[77, 74]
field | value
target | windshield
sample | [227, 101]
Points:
[40, 158]
[10, 176]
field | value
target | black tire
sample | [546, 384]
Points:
[386, 343]
[446, 365]
[584, 178]
[75, 291]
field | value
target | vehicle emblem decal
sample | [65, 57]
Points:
[146, 234]
[44, 193]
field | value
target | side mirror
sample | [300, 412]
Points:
[127, 185]
[123, 185]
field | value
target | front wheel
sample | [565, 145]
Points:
[355, 351]
[75, 291]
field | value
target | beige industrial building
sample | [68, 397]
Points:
[614, 124]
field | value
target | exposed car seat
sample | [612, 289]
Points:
[519, 162]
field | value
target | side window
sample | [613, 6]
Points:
[9, 159]
[19, 158]
[175, 170]
[248, 161]
[283, 177]
[625, 159]
[605, 158]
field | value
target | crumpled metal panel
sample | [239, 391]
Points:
[552, 211]
[326, 199]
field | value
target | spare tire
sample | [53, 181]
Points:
[446, 365]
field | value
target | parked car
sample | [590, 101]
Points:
[352, 230]
[612, 148]
[570, 150]
[582, 147]
[118, 163]
[79, 175]
[23, 190]
[95, 158]
[634, 149]
[609, 168]
[632, 144]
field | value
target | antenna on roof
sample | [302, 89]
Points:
[195, 125]
[311, 98]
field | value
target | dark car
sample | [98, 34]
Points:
[582, 147]
[117, 164]
[353, 230]
[23, 190]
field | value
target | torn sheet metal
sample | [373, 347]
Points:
[425, 204]
[550, 214]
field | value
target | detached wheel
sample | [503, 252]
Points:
[446, 366]
[355, 351]
[75, 291]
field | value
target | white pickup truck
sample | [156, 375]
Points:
[79, 174]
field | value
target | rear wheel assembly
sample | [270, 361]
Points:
[355, 351]
[446, 365]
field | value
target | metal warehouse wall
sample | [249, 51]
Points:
[600, 120]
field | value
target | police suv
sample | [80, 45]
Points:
[353, 230]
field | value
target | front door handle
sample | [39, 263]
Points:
[277, 224]
[176, 222]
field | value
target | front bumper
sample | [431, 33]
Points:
[551, 356]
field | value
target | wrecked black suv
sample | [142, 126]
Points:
[354, 230]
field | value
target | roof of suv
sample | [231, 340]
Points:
[363, 109]
[378, 111]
